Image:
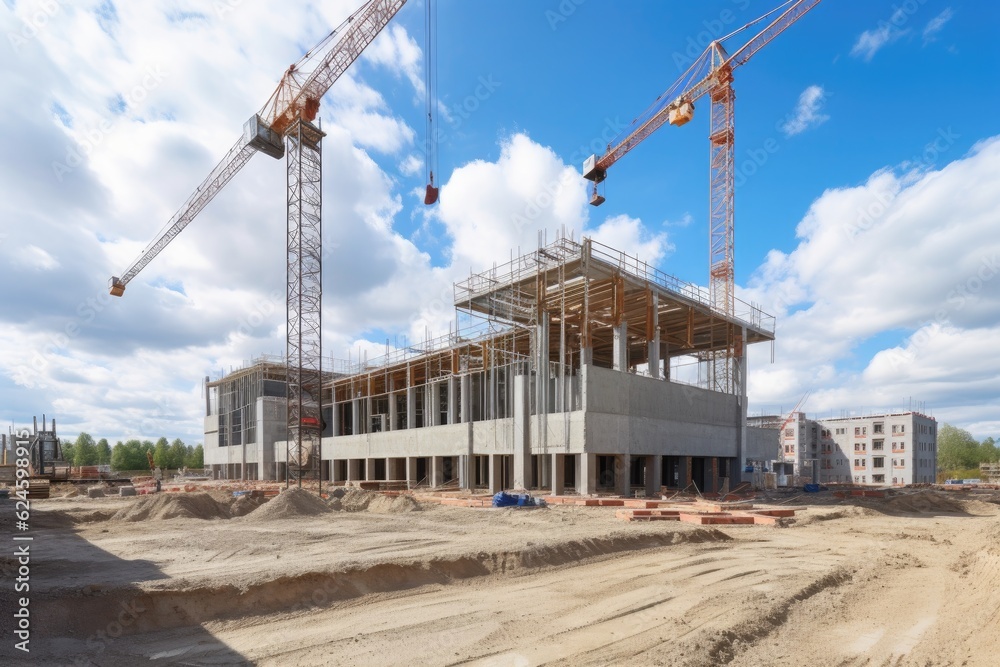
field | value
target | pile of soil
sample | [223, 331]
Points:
[386, 505]
[289, 504]
[926, 502]
[360, 500]
[352, 500]
[173, 506]
[243, 505]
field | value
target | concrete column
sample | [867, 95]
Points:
[434, 411]
[558, 473]
[437, 470]
[369, 469]
[654, 343]
[356, 416]
[522, 434]
[666, 361]
[411, 472]
[544, 471]
[465, 404]
[411, 407]
[464, 471]
[452, 400]
[496, 473]
[586, 474]
[620, 357]
[335, 420]
[623, 468]
[684, 472]
[654, 475]
[393, 417]
[741, 363]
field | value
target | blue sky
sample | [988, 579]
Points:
[865, 209]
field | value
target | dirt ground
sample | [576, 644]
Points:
[910, 580]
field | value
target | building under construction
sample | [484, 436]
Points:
[573, 380]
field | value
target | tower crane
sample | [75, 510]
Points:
[711, 74]
[284, 128]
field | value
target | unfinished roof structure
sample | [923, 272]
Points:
[567, 381]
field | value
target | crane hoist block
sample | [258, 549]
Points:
[117, 289]
[259, 135]
[681, 114]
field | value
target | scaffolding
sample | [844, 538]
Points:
[545, 315]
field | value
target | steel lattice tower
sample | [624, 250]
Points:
[304, 298]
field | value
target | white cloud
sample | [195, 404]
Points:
[887, 32]
[630, 236]
[33, 257]
[936, 25]
[411, 165]
[807, 113]
[398, 51]
[491, 207]
[912, 254]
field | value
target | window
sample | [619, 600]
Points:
[860, 447]
[789, 432]
[878, 462]
[877, 445]
[877, 428]
[878, 479]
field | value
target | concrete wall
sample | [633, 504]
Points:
[564, 433]
[628, 413]
[762, 444]
[214, 455]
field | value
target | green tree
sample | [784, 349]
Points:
[196, 459]
[84, 450]
[130, 455]
[988, 451]
[103, 452]
[161, 453]
[68, 451]
[178, 452]
[957, 449]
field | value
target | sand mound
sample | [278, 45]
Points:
[360, 500]
[926, 502]
[356, 500]
[173, 506]
[290, 504]
[243, 505]
[386, 505]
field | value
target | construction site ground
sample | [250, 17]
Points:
[363, 579]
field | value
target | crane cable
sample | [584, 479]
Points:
[430, 96]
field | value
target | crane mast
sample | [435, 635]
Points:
[284, 128]
[711, 74]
